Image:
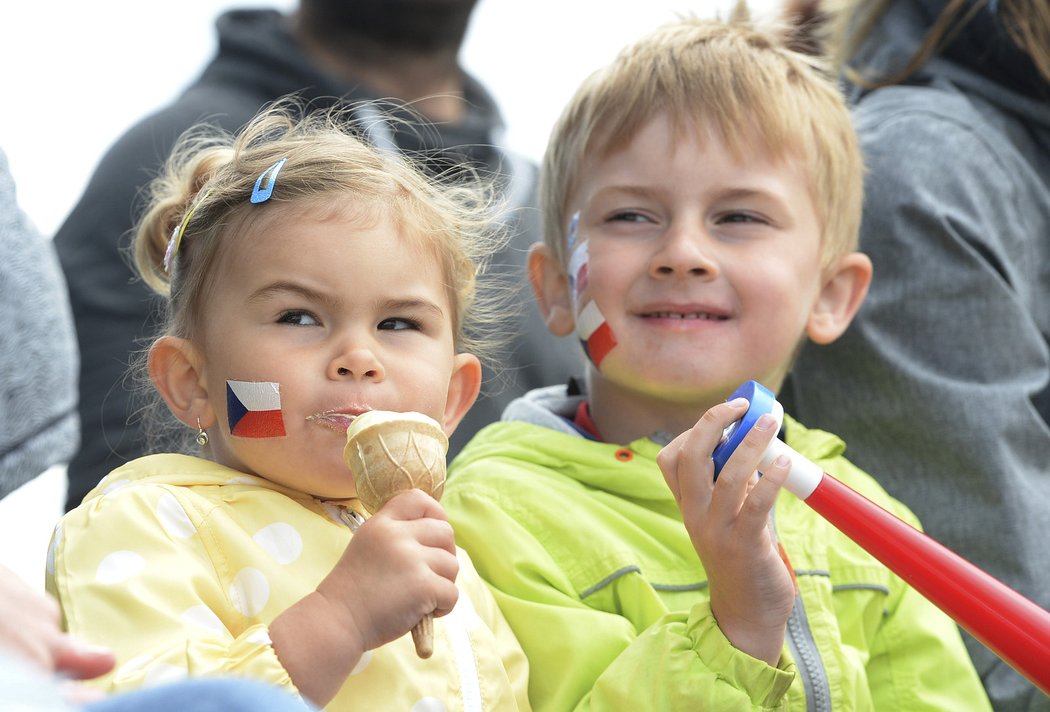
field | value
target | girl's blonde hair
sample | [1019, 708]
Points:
[204, 190]
[731, 80]
[206, 184]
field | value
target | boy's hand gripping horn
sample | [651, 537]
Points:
[1010, 625]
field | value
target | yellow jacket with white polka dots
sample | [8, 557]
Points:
[179, 564]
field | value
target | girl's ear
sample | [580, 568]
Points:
[177, 372]
[845, 286]
[550, 284]
[463, 389]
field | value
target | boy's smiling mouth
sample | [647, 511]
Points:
[697, 311]
[689, 315]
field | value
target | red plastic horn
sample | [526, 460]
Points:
[1010, 625]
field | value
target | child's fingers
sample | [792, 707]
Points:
[434, 533]
[447, 596]
[754, 513]
[667, 460]
[731, 490]
[414, 504]
[442, 563]
[686, 461]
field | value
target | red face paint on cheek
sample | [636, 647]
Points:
[254, 409]
[595, 335]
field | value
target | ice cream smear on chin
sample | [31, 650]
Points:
[388, 453]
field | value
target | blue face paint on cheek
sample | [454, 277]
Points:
[571, 233]
[254, 409]
[578, 270]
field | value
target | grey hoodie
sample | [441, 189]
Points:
[941, 386]
[38, 356]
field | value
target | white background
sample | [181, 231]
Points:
[74, 75]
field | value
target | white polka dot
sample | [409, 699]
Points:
[114, 486]
[163, 673]
[281, 541]
[119, 566]
[362, 663]
[174, 518]
[204, 617]
[56, 540]
[260, 637]
[249, 591]
[429, 704]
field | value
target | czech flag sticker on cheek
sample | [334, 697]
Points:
[254, 409]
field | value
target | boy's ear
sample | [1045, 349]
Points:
[176, 369]
[550, 284]
[845, 286]
[463, 389]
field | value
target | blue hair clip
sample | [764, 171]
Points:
[266, 182]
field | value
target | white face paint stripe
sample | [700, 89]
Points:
[589, 320]
[574, 226]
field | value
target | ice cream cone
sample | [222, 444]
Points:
[389, 453]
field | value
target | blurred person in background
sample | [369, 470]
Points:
[949, 356]
[38, 381]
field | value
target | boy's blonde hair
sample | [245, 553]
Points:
[210, 176]
[727, 79]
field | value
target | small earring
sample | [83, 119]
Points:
[202, 434]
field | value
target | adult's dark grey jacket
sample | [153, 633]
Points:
[941, 386]
[38, 351]
[257, 61]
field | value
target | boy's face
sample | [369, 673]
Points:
[706, 269]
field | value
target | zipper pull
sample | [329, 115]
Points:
[351, 518]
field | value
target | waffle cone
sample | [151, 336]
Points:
[391, 452]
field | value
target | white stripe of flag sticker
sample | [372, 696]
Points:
[254, 409]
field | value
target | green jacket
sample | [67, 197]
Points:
[584, 547]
